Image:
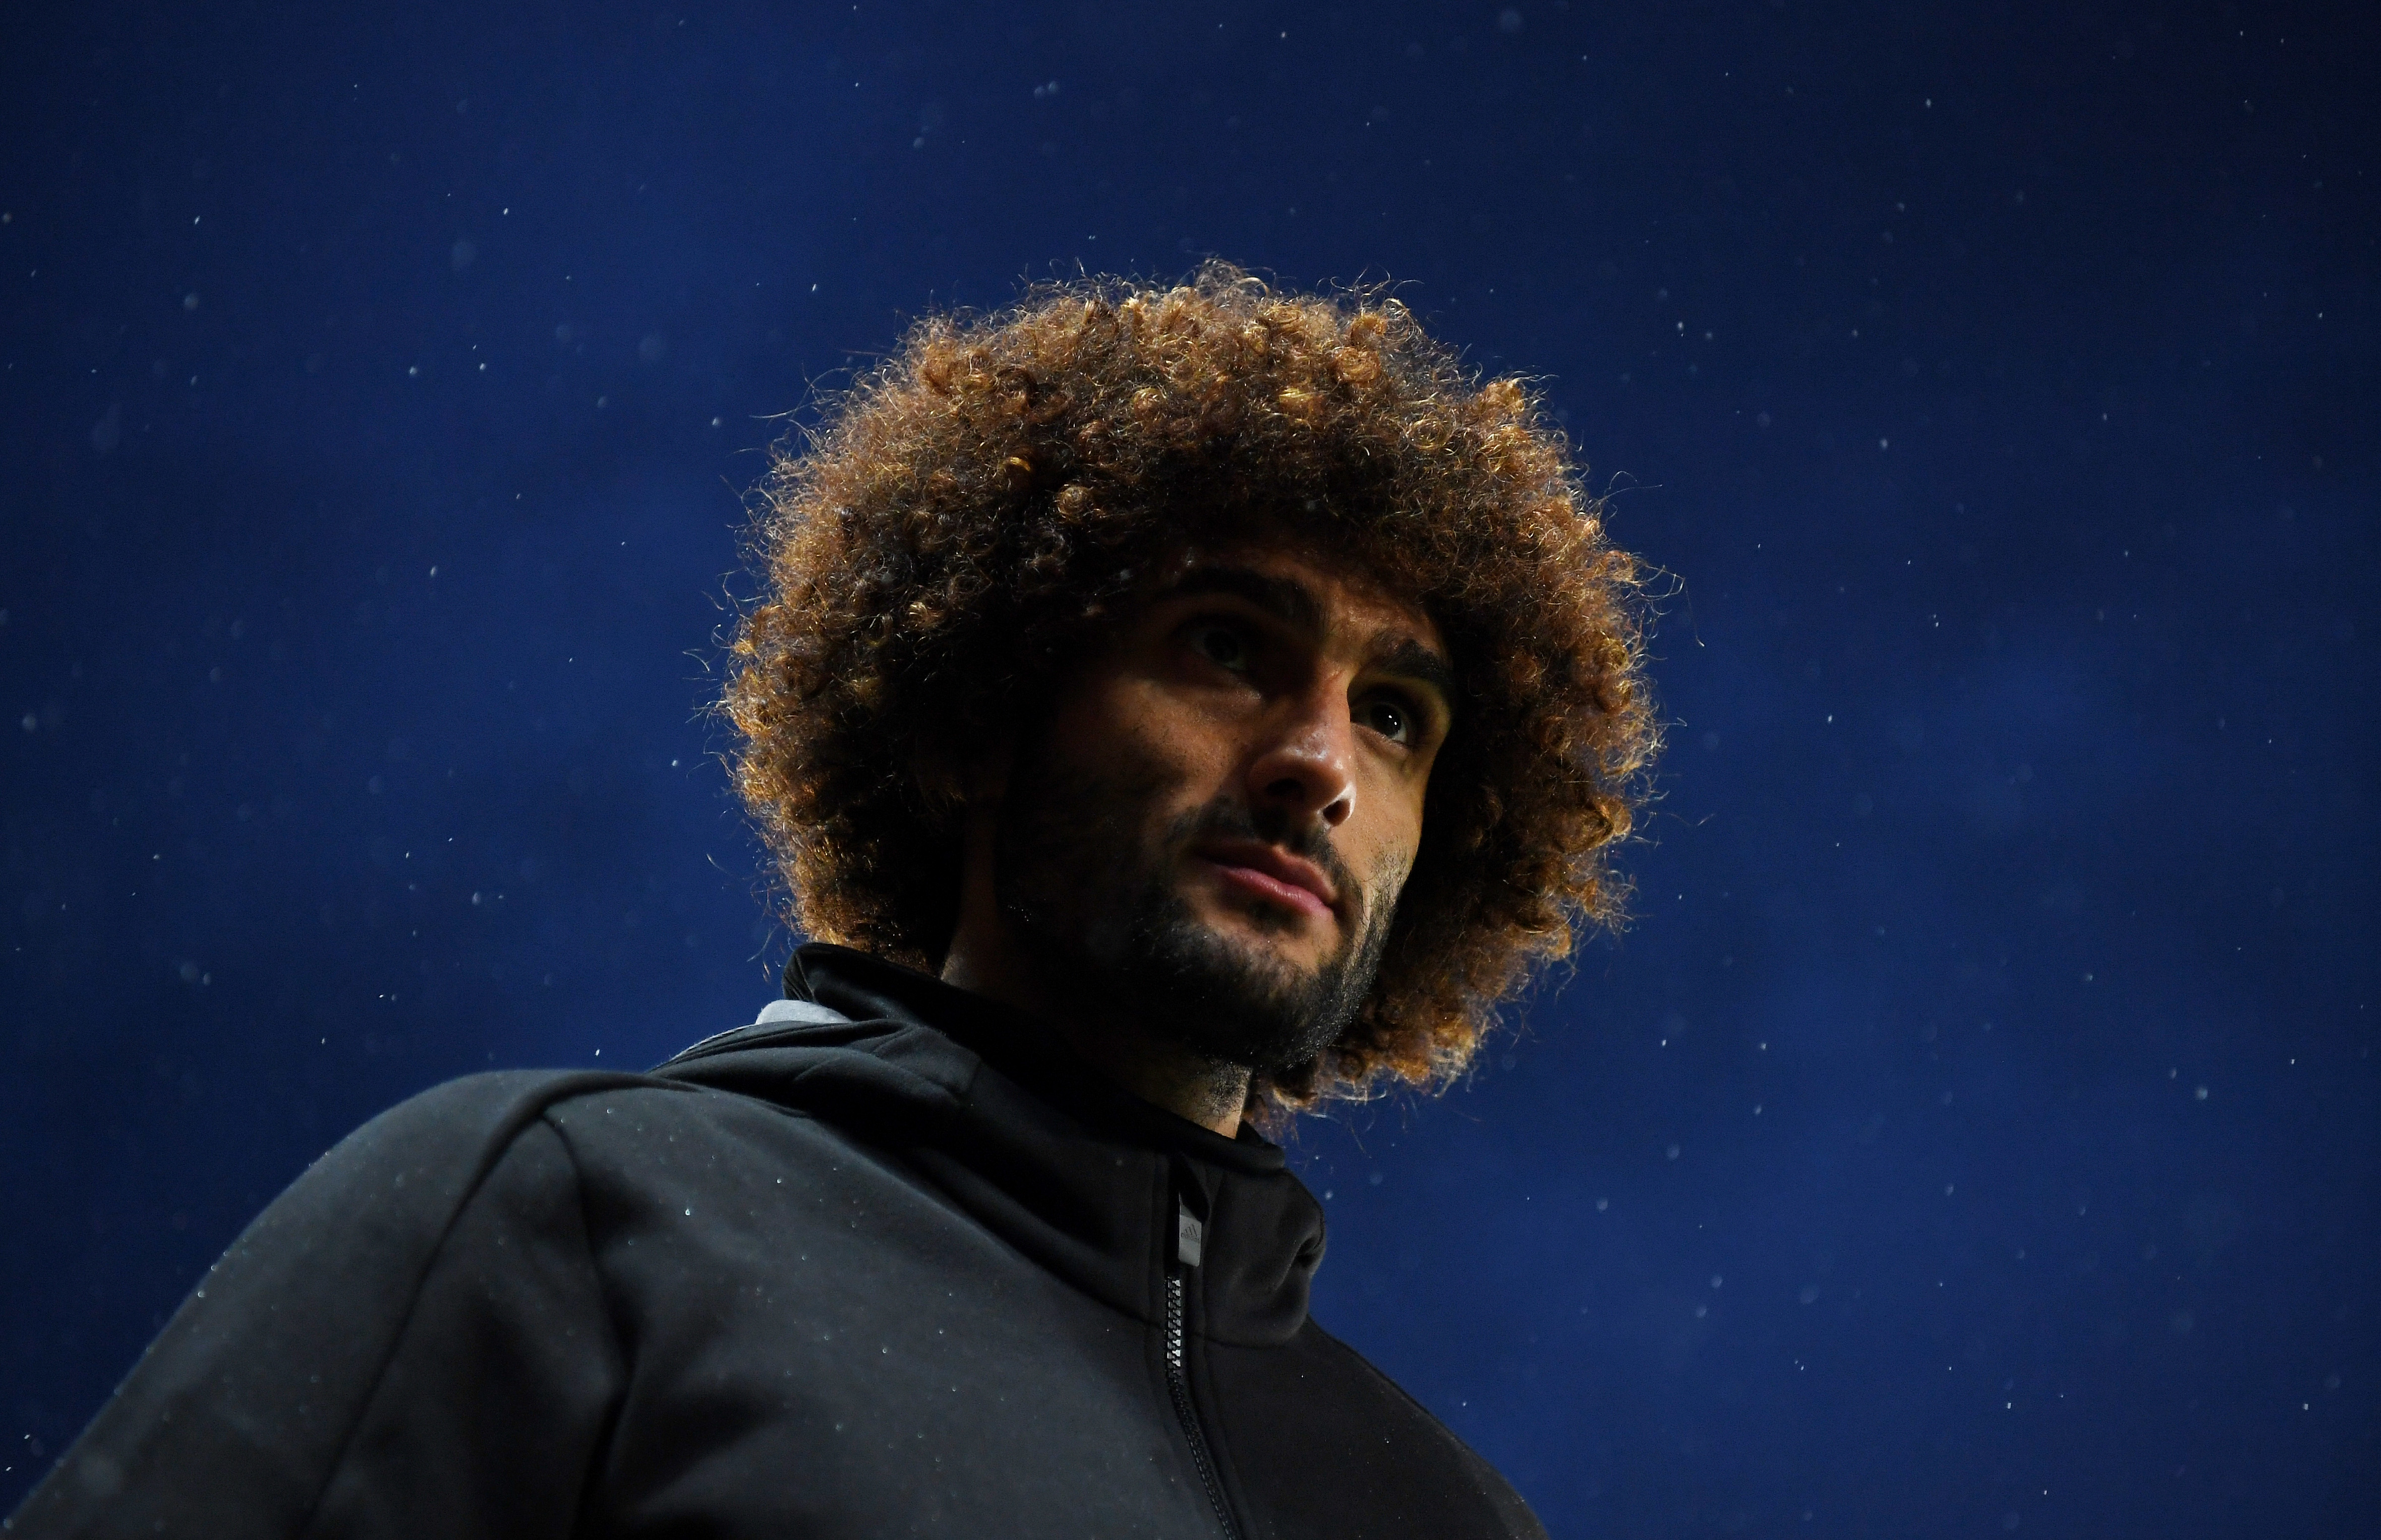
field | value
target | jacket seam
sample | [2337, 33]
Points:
[612, 1311]
[494, 1157]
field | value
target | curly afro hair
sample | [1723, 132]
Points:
[975, 509]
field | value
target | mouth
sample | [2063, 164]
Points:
[1267, 872]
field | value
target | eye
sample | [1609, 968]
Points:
[1387, 716]
[1221, 645]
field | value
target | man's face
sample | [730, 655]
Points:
[1210, 832]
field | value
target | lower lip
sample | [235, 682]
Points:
[1265, 885]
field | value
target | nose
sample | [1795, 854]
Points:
[1306, 767]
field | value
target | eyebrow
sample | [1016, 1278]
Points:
[1286, 599]
[1409, 659]
[1293, 604]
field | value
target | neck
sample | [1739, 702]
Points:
[987, 959]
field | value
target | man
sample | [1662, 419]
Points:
[1171, 709]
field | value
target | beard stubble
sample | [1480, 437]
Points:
[1094, 902]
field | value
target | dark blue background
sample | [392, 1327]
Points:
[1977, 1130]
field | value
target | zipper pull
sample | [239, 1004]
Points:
[1189, 1215]
[1190, 1233]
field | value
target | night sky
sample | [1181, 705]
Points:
[1978, 1129]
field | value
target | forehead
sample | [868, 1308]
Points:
[1348, 600]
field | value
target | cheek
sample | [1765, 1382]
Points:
[1386, 853]
[1162, 729]
[1127, 735]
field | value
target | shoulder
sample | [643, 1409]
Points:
[353, 1238]
[478, 1108]
[450, 1129]
[1411, 1462]
[242, 1409]
[407, 1172]
[1374, 1384]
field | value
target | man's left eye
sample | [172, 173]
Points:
[1222, 646]
[1388, 719]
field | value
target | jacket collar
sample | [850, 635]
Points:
[994, 1111]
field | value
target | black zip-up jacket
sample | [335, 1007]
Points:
[899, 1267]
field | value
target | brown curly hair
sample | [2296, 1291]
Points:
[974, 510]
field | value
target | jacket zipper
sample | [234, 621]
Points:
[1189, 1237]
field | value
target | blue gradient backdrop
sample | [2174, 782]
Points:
[1976, 1133]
